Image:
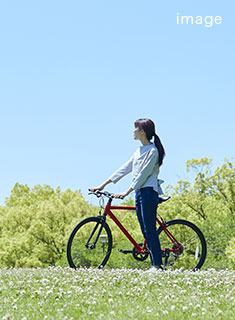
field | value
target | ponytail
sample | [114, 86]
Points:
[160, 148]
[149, 128]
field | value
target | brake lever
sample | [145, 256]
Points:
[97, 193]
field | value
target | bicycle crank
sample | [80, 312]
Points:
[140, 256]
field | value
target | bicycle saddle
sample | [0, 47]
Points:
[163, 199]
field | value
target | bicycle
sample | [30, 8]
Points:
[90, 243]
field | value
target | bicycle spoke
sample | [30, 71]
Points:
[193, 243]
[90, 244]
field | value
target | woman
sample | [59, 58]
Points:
[144, 165]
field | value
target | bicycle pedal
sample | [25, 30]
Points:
[124, 251]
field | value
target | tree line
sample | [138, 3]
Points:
[35, 223]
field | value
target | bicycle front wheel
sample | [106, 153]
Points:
[193, 254]
[89, 244]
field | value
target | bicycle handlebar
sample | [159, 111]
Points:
[99, 194]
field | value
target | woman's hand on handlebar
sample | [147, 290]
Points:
[119, 195]
[123, 194]
[99, 188]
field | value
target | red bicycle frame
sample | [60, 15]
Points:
[107, 211]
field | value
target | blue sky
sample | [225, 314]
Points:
[75, 75]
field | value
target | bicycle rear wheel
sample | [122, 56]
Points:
[193, 255]
[89, 244]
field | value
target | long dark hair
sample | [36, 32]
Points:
[149, 128]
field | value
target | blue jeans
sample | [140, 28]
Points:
[146, 201]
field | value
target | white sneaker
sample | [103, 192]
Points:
[154, 269]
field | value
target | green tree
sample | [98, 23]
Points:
[209, 202]
[35, 224]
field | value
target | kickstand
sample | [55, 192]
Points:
[167, 254]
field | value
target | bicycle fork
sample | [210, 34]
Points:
[98, 235]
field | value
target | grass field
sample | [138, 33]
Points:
[63, 293]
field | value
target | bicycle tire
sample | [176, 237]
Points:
[80, 253]
[194, 249]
